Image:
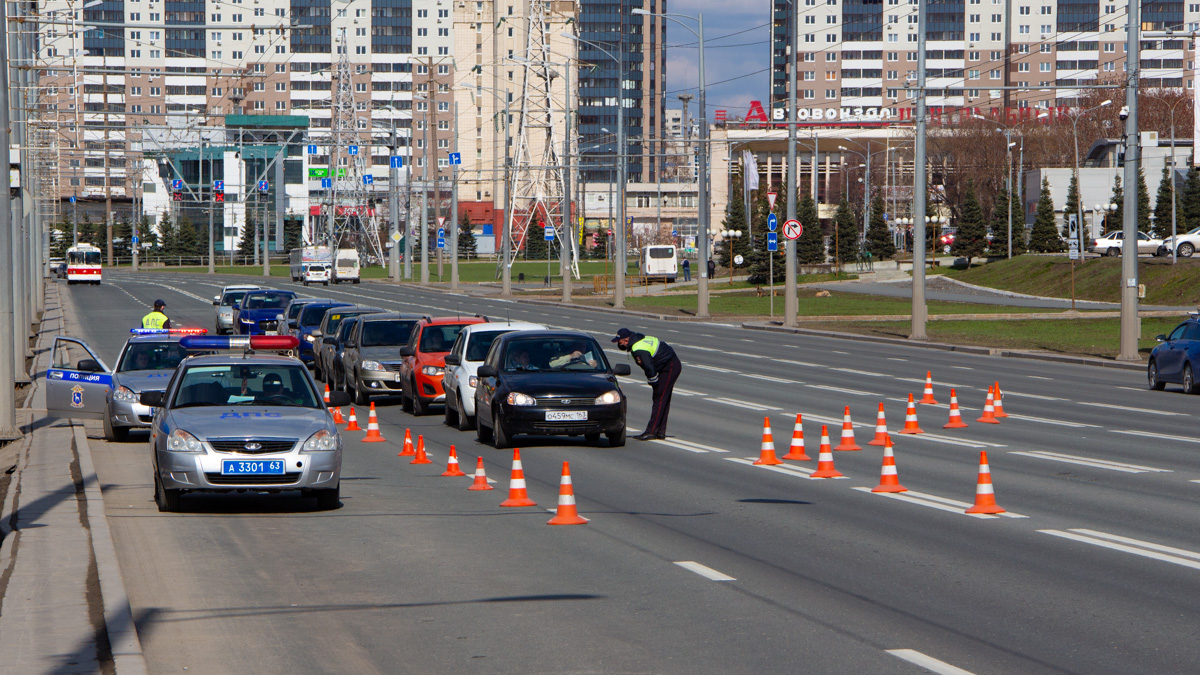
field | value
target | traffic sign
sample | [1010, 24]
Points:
[674, 233]
[135, 239]
[218, 185]
[312, 149]
[353, 149]
[738, 259]
[72, 199]
[177, 184]
[397, 162]
[549, 233]
[771, 201]
[441, 233]
[263, 185]
[219, 197]
[772, 222]
[396, 237]
[326, 183]
[441, 242]
[792, 229]
[455, 158]
[441, 221]
[772, 240]
[368, 179]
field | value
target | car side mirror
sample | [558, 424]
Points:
[89, 366]
[1161, 338]
[407, 351]
[621, 369]
[291, 323]
[338, 399]
[154, 399]
[216, 301]
[486, 371]
[316, 333]
[453, 360]
[329, 341]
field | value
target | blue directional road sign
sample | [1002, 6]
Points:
[368, 179]
[72, 199]
[441, 233]
[549, 233]
[353, 149]
[772, 222]
[312, 149]
[177, 184]
[441, 242]
[455, 158]
[135, 239]
[397, 162]
[218, 185]
[772, 241]
[674, 233]
[326, 183]
[263, 186]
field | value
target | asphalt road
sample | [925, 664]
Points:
[1097, 572]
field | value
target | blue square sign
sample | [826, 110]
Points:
[772, 241]
[326, 183]
[218, 185]
[441, 242]
[263, 186]
[353, 149]
[177, 184]
[397, 162]
[549, 233]
[312, 149]
[368, 179]
[455, 158]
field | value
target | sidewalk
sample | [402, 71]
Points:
[63, 607]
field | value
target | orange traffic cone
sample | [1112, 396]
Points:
[452, 465]
[373, 435]
[956, 420]
[767, 454]
[337, 416]
[327, 395]
[989, 414]
[421, 457]
[985, 497]
[481, 482]
[407, 450]
[353, 423]
[796, 451]
[881, 432]
[825, 458]
[928, 394]
[998, 402]
[847, 433]
[567, 513]
[517, 494]
[910, 419]
[888, 480]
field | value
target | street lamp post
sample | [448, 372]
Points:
[1008, 181]
[729, 236]
[1075, 134]
[1105, 209]
[505, 228]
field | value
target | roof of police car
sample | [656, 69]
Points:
[238, 357]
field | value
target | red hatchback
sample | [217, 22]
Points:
[424, 360]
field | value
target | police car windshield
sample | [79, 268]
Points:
[480, 343]
[151, 356]
[245, 385]
[554, 355]
[232, 298]
[268, 300]
[386, 333]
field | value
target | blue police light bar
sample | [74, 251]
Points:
[266, 342]
[166, 331]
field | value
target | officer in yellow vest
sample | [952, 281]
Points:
[156, 318]
[662, 367]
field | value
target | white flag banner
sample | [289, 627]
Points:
[750, 166]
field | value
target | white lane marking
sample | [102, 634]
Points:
[1043, 420]
[688, 445]
[786, 469]
[170, 287]
[892, 358]
[1151, 434]
[859, 372]
[768, 378]
[1087, 461]
[1132, 388]
[962, 367]
[1128, 408]
[837, 352]
[687, 392]
[1145, 549]
[936, 438]
[1038, 377]
[800, 363]
[703, 349]
[742, 404]
[1007, 393]
[927, 662]
[706, 572]
[715, 369]
[936, 502]
[921, 381]
[840, 390]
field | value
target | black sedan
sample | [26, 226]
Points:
[1176, 359]
[549, 383]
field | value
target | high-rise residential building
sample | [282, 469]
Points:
[857, 57]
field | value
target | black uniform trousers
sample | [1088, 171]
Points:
[662, 389]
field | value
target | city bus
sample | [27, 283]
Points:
[83, 264]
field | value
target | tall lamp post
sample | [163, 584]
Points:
[505, 244]
[729, 236]
[1104, 209]
[705, 199]
[1075, 134]
[1174, 201]
[1007, 130]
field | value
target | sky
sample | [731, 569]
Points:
[736, 53]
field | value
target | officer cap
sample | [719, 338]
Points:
[159, 303]
[623, 333]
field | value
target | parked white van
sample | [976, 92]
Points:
[659, 262]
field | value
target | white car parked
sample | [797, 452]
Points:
[464, 359]
[1113, 243]
[1185, 244]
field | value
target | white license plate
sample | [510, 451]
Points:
[566, 415]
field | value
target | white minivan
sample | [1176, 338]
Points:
[660, 262]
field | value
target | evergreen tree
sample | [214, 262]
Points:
[147, 237]
[879, 242]
[168, 234]
[466, 238]
[1072, 205]
[122, 232]
[999, 244]
[245, 247]
[845, 233]
[1143, 200]
[1116, 219]
[759, 270]
[600, 249]
[1162, 205]
[61, 237]
[187, 241]
[1189, 214]
[810, 247]
[735, 219]
[291, 233]
[536, 247]
[1044, 238]
[971, 238]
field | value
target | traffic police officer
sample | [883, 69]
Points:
[156, 318]
[662, 368]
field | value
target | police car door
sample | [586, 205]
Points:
[77, 382]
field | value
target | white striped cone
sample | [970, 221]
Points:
[825, 468]
[567, 513]
[518, 495]
[910, 419]
[927, 395]
[889, 481]
[796, 451]
[881, 432]
[767, 454]
[989, 411]
[847, 433]
[985, 496]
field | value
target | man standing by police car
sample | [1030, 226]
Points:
[156, 318]
[658, 360]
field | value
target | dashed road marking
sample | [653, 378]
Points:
[1087, 461]
[1043, 420]
[927, 662]
[768, 378]
[1038, 377]
[1151, 434]
[1008, 393]
[792, 470]
[800, 363]
[1145, 549]
[962, 367]
[1126, 408]
[840, 390]
[706, 572]
[715, 369]
[698, 448]
[860, 372]
[892, 358]
[936, 502]
[742, 404]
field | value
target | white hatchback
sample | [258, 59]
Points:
[464, 359]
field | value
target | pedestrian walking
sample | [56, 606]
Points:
[156, 318]
[687, 270]
[662, 367]
[712, 268]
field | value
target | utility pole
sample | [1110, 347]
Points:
[1130, 323]
[394, 207]
[454, 210]
[567, 245]
[425, 198]
[20, 288]
[705, 199]
[8, 327]
[506, 230]
[790, 301]
[437, 172]
[920, 189]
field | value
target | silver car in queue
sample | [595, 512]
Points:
[252, 422]
[225, 302]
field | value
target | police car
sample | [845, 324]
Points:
[146, 362]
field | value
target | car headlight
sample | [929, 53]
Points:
[608, 398]
[432, 371]
[322, 441]
[372, 365]
[124, 394]
[516, 398]
[309, 338]
[473, 382]
[182, 441]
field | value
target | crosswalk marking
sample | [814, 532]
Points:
[1087, 461]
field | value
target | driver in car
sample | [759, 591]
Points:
[273, 391]
[579, 354]
[520, 359]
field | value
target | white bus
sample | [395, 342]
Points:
[83, 264]
[660, 262]
[312, 264]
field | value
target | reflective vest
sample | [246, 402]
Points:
[647, 344]
[155, 319]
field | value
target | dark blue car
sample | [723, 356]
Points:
[264, 306]
[1177, 358]
[308, 320]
